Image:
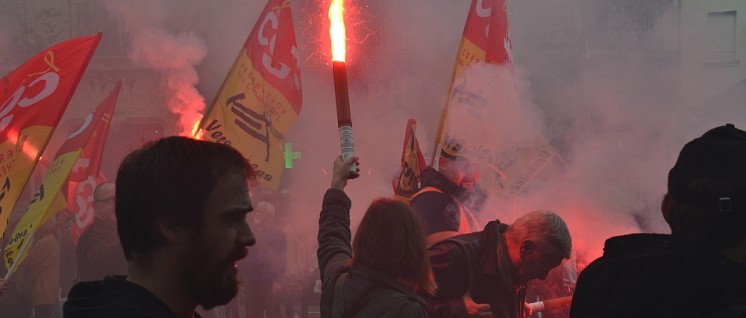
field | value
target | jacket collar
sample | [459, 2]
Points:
[433, 178]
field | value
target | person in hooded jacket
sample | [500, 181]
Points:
[386, 267]
[699, 270]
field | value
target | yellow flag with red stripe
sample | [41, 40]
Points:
[49, 199]
[469, 118]
[33, 98]
[261, 96]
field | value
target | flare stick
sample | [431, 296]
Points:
[550, 304]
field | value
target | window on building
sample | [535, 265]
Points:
[721, 37]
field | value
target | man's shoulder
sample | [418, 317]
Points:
[638, 268]
[114, 297]
[458, 246]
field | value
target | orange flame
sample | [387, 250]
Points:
[196, 131]
[337, 30]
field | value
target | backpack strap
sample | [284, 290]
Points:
[338, 303]
[426, 189]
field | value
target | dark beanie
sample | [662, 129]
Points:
[719, 154]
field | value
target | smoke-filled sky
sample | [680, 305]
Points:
[617, 100]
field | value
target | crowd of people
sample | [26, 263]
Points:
[178, 230]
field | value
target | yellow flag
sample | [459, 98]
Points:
[49, 199]
[39, 210]
[506, 163]
[261, 96]
[34, 97]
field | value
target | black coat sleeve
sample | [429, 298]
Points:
[451, 271]
[334, 250]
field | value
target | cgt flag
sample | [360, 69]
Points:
[412, 164]
[86, 174]
[261, 97]
[33, 97]
[473, 108]
[49, 199]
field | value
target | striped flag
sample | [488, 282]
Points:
[507, 162]
[412, 164]
[261, 97]
[34, 97]
[49, 199]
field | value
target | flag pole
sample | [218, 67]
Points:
[208, 108]
[21, 253]
[444, 113]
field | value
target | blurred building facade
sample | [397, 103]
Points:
[139, 114]
[703, 42]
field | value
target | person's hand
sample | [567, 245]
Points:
[527, 310]
[476, 310]
[3, 286]
[342, 171]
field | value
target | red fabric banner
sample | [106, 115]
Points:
[86, 175]
[34, 96]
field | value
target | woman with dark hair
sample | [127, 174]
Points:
[386, 267]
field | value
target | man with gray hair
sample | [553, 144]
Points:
[484, 274]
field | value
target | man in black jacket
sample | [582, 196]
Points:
[181, 208]
[697, 271]
[439, 200]
[484, 274]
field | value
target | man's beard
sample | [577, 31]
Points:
[211, 284]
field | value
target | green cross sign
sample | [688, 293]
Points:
[290, 155]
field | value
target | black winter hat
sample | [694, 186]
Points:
[719, 154]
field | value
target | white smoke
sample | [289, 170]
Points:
[174, 55]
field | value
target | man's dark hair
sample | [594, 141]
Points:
[718, 229]
[169, 179]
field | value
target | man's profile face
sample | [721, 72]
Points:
[104, 201]
[222, 240]
[537, 262]
[461, 171]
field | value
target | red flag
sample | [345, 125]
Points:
[487, 28]
[261, 97]
[507, 162]
[33, 97]
[412, 164]
[86, 174]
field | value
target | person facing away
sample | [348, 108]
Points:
[386, 266]
[99, 252]
[264, 271]
[40, 275]
[438, 200]
[484, 274]
[699, 270]
[181, 207]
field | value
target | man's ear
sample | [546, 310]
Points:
[170, 230]
[527, 246]
[665, 207]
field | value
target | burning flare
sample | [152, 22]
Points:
[337, 30]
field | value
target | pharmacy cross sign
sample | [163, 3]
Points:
[290, 155]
